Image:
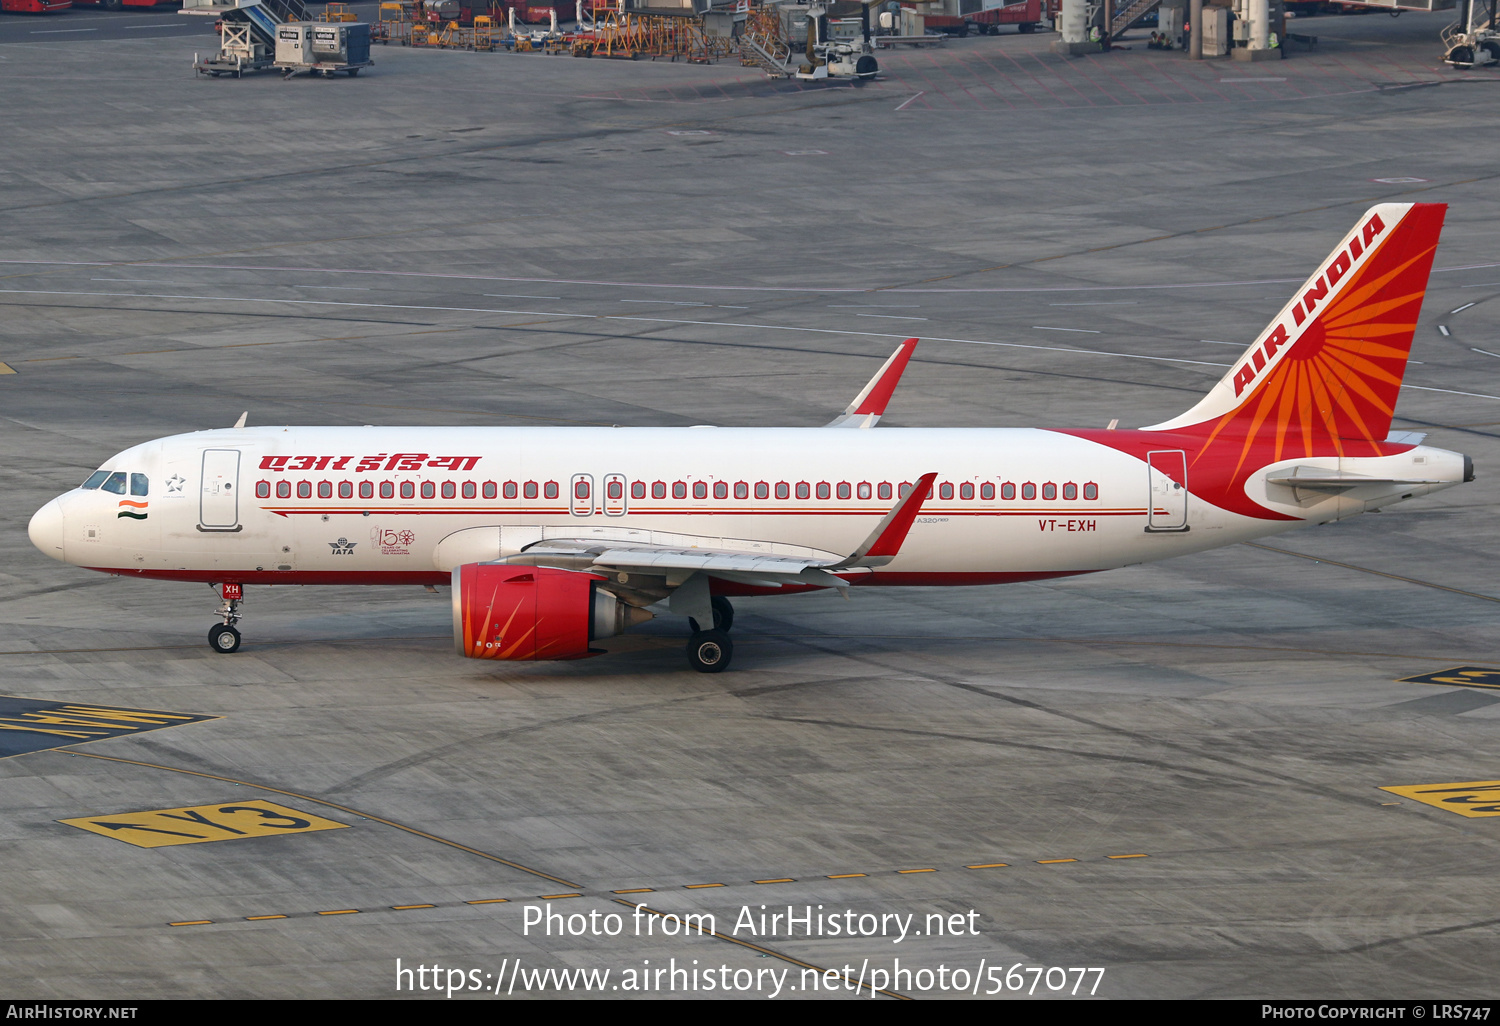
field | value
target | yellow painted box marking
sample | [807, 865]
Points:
[225, 821]
[1475, 799]
[1459, 676]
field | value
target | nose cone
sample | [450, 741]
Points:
[46, 529]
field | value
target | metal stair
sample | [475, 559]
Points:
[1130, 15]
[771, 55]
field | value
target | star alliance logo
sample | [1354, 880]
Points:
[342, 547]
[175, 483]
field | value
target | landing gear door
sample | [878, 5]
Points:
[219, 501]
[1168, 499]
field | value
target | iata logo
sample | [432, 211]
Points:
[342, 547]
[1307, 306]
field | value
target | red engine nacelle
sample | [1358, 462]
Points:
[533, 612]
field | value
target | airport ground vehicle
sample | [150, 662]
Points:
[35, 6]
[552, 538]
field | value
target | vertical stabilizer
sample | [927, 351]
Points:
[1323, 377]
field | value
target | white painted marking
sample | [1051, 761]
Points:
[152, 281]
[513, 295]
[1449, 391]
[340, 288]
[909, 100]
[1232, 80]
[1125, 302]
[1397, 181]
[1481, 285]
[58, 32]
[688, 131]
[1460, 309]
[874, 306]
[1212, 342]
[661, 302]
[1486, 352]
[1444, 329]
[805, 153]
[893, 317]
[1085, 331]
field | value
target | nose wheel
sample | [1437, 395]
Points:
[223, 637]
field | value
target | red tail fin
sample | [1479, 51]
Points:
[1323, 377]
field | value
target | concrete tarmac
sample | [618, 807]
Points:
[1170, 773]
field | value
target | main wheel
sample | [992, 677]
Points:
[723, 615]
[223, 638]
[113, 5]
[709, 651]
[866, 66]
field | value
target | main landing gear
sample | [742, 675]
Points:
[710, 651]
[222, 637]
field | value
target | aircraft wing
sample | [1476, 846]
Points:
[869, 405]
[680, 559]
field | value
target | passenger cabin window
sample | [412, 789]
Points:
[986, 491]
[283, 489]
[367, 489]
[346, 489]
[489, 490]
[637, 489]
[1070, 490]
[450, 490]
[580, 489]
[783, 490]
[510, 489]
[700, 489]
[408, 490]
[1091, 491]
[803, 490]
[469, 490]
[115, 483]
[325, 489]
[1008, 490]
[139, 485]
[843, 490]
[304, 489]
[658, 490]
[429, 490]
[95, 480]
[945, 490]
[762, 490]
[884, 491]
[529, 490]
[823, 490]
[262, 489]
[742, 490]
[549, 490]
[1049, 491]
[679, 489]
[1028, 490]
[864, 490]
[721, 489]
[387, 489]
[905, 489]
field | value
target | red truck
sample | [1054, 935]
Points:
[960, 17]
[34, 6]
[115, 5]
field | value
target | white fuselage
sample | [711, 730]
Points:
[386, 505]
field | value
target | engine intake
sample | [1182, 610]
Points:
[533, 612]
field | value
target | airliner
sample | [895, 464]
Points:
[552, 538]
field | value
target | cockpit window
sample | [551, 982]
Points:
[138, 484]
[95, 479]
[115, 483]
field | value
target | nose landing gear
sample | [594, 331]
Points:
[222, 637]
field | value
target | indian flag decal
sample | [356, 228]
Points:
[132, 509]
